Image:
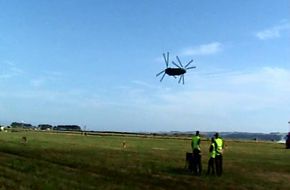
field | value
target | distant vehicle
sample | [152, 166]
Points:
[179, 71]
[288, 141]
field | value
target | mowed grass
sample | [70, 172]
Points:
[64, 161]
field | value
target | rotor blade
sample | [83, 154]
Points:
[191, 68]
[162, 77]
[166, 60]
[179, 61]
[179, 79]
[160, 73]
[176, 64]
[188, 63]
[182, 79]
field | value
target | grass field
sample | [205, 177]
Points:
[64, 161]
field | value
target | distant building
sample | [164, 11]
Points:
[67, 128]
[44, 127]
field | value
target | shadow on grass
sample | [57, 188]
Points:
[281, 148]
[179, 171]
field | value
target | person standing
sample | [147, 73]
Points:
[219, 145]
[288, 140]
[195, 145]
[211, 161]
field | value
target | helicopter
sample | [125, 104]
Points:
[179, 71]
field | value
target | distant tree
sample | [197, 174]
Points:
[20, 125]
[67, 128]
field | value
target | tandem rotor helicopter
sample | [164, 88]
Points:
[179, 71]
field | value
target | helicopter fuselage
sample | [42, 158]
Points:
[175, 71]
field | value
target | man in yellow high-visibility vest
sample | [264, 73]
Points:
[219, 146]
[195, 145]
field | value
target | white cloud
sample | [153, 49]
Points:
[144, 84]
[272, 32]
[204, 49]
[37, 82]
[239, 101]
[250, 101]
[9, 70]
[269, 80]
[46, 77]
[267, 87]
[53, 74]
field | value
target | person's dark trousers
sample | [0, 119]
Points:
[197, 167]
[219, 164]
[210, 167]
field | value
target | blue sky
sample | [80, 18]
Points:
[93, 63]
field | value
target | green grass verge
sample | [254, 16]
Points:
[64, 161]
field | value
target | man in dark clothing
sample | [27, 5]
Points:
[288, 140]
[195, 145]
[219, 145]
